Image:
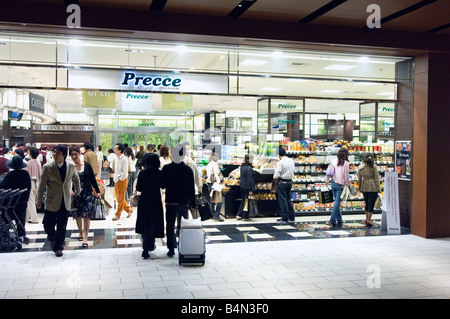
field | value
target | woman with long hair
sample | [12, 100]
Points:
[84, 201]
[340, 179]
[369, 185]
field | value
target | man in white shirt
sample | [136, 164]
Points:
[285, 172]
[120, 167]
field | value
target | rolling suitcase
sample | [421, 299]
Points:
[191, 242]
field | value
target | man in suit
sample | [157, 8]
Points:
[57, 178]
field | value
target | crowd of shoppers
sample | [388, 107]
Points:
[168, 180]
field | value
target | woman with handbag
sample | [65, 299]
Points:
[84, 201]
[339, 178]
[215, 177]
[247, 186]
[369, 185]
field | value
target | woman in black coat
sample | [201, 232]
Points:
[150, 213]
[18, 178]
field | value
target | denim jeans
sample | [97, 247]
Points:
[285, 201]
[336, 214]
[174, 212]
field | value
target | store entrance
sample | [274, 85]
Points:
[157, 136]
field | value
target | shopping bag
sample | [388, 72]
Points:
[325, 196]
[378, 202]
[135, 199]
[245, 205]
[98, 211]
[274, 187]
[253, 208]
[353, 190]
[204, 208]
[330, 170]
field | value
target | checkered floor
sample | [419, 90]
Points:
[121, 233]
[261, 229]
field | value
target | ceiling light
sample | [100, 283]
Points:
[330, 91]
[253, 62]
[339, 67]
[270, 89]
[297, 80]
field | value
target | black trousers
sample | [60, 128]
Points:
[370, 198]
[174, 212]
[58, 219]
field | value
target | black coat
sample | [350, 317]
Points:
[18, 179]
[150, 214]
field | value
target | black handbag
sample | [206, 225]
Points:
[98, 211]
[204, 208]
[325, 196]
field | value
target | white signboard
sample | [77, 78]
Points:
[136, 102]
[133, 80]
[391, 208]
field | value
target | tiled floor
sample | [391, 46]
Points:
[258, 260]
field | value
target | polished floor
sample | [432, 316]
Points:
[260, 259]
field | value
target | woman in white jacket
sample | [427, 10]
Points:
[213, 176]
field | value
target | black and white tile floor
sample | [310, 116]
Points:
[121, 234]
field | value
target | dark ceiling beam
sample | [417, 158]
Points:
[158, 5]
[241, 8]
[407, 10]
[437, 29]
[321, 11]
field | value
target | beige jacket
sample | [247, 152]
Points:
[56, 188]
[368, 178]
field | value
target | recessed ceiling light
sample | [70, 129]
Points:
[385, 93]
[298, 80]
[270, 89]
[253, 62]
[339, 67]
[330, 91]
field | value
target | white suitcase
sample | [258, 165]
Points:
[191, 242]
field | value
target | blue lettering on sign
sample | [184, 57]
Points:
[130, 78]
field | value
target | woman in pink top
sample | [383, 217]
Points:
[340, 178]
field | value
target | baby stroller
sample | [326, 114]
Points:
[9, 222]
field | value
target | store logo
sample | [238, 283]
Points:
[374, 20]
[158, 81]
[287, 106]
[73, 20]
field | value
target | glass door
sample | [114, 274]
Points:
[126, 138]
[367, 124]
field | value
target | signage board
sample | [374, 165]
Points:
[177, 102]
[403, 152]
[391, 208]
[99, 99]
[37, 103]
[133, 80]
[136, 102]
